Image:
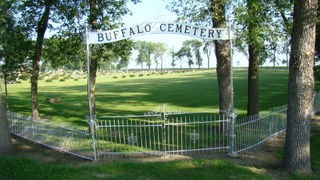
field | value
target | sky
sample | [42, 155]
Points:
[155, 11]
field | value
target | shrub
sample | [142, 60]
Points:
[115, 77]
[55, 77]
[140, 75]
[25, 76]
[48, 80]
[132, 75]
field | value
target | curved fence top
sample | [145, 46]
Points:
[100, 37]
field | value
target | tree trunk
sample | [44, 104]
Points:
[41, 29]
[254, 53]
[6, 146]
[222, 50]
[224, 76]
[301, 87]
[253, 81]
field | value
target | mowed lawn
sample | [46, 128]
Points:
[189, 91]
[115, 95]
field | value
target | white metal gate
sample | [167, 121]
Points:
[160, 134]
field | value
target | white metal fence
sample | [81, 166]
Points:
[157, 134]
[186, 133]
[252, 131]
[63, 139]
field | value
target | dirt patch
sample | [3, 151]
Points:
[40, 153]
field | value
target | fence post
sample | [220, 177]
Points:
[163, 128]
[232, 135]
[92, 125]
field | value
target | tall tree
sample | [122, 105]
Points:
[6, 17]
[301, 87]
[159, 50]
[15, 44]
[40, 29]
[184, 51]
[102, 15]
[195, 45]
[173, 59]
[213, 13]
[262, 26]
[254, 48]
[6, 146]
[207, 49]
[146, 49]
[222, 49]
[37, 16]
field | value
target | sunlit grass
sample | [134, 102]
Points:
[20, 168]
[182, 92]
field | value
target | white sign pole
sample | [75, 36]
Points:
[88, 75]
[91, 118]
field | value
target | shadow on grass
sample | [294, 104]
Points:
[20, 168]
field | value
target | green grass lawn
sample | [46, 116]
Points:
[12, 167]
[183, 92]
[186, 92]
[20, 168]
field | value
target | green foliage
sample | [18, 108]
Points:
[67, 53]
[196, 11]
[15, 47]
[316, 71]
[184, 51]
[266, 25]
[195, 45]
[146, 49]
[116, 52]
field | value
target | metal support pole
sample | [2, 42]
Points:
[231, 62]
[232, 114]
[88, 75]
[91, 119]
[232, 135]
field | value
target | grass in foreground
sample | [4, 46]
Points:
[20, 168]
[24, 168]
